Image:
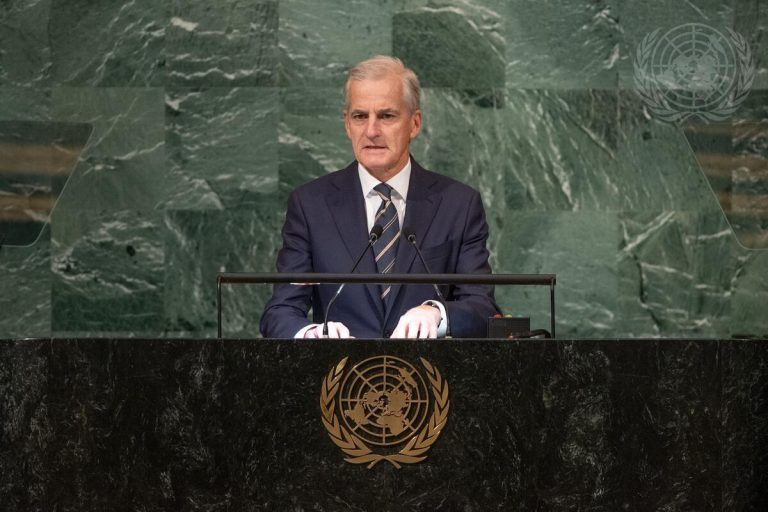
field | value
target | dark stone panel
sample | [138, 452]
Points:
[229, 44]
[102, 451]
[25, 422]
[446, 49]
[117, 44]
[744, 419]
[674, 425]
[25, 47]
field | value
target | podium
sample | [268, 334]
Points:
[136, 424]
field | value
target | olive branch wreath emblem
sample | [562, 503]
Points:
[358, 452]
[657, 102]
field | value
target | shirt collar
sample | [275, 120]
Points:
[399, 182]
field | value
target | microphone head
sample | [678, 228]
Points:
[410, 235]
[375, 233]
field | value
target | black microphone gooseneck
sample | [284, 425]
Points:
[411, 237]
[373, 236]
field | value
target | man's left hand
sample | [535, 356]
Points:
[418, 322]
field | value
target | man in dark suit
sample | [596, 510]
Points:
[328, 222]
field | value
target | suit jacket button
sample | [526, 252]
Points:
[387, 334]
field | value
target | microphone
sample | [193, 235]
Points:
[373, 236]
[410, 235]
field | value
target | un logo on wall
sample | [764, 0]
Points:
[384, 409]
[693, 70]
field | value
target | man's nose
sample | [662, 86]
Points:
[372, 128]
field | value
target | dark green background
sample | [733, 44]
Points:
[205, 115]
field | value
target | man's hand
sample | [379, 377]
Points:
[418, 322]
[335, 330]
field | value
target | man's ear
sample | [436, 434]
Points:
[345, 115]
[416, 124]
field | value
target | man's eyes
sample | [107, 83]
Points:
[386, 116]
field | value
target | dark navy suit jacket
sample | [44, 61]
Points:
[325, 230]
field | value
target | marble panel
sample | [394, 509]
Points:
[641, 18]
[202, 244]
[36, 160]
[312, 137]
[563, 45]
[25, 47]
[562, 151]
[108, 272]
[120, 44]
[751, 21]
[452, 44]
[733, 155]
[230, 44]
[25, 289]
[25, 103]
[319, 41]
[659, 170]
[676, 274]
[123, 165]
[221, 146]
[580, 247]
[748, 313]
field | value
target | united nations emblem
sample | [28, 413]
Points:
[383, 409]
[693, 70]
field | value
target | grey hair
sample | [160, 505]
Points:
[381, 66]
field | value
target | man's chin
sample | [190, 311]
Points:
[375, 165]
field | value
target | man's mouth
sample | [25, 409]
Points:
[370, 146]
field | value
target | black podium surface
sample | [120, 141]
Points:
[131, 424]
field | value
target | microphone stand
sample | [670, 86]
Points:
[373, 236]
[411, 237]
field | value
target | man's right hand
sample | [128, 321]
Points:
[335, 330]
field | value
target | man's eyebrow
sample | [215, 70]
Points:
[388, 110]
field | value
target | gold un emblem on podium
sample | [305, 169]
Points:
[383, 409]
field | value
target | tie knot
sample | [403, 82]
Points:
[384, 190]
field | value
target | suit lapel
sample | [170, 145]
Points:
[347, 207]
[421, 207]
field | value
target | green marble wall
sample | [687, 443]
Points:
[205, 114]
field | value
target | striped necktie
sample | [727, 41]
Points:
[386, 247]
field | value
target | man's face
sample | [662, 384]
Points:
[380, 125]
